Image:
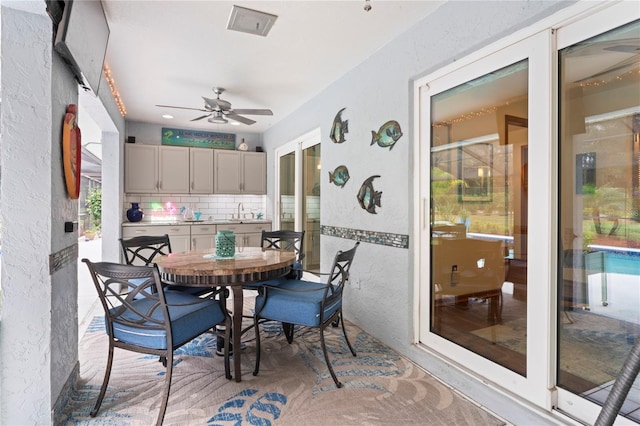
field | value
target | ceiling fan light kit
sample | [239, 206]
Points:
[219, 111]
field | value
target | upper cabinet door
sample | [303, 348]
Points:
[141, 168]
[227, 172]
[254, 167]
[173, 169]
[201, 170]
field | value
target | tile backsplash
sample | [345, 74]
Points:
[158, 207]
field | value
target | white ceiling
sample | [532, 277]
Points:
[175, 52]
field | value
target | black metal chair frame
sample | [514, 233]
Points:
[283, 240]
[334, 288]
[145, 248]
[110, 279]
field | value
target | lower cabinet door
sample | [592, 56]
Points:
[253, 239]
[199, 242]
[180, 243]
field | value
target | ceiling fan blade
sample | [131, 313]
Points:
[200, 118]
[171, 106]
[244, 120]
[219, 103]
[253, 111]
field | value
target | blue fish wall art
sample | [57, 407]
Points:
[339, 128]
[387, 135]
[339, 176]
[368, 197]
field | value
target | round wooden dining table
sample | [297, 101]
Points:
[202, 268]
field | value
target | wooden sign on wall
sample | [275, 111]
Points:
[198, 138]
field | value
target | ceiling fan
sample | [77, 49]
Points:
[220, 111]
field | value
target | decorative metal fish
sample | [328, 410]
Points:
[339, 128]
[368, 197]
[388, 134]
[339, 176]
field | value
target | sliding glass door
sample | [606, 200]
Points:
[298, 169]
[599, 229]
[486, 136]
[529, 188]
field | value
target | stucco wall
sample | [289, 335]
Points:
[28, 189]
[380, 298]
[38, 305]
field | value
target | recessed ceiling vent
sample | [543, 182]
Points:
[250, 21]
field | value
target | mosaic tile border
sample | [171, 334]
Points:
[373, 237]
[59, 260]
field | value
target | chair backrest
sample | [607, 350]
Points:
[142, 250]
[340, 272]
[131, 296]
[286, 240]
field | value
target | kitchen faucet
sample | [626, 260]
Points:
[240, 205]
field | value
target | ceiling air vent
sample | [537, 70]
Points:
[250, 21]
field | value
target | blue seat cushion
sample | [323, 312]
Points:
[273, 283]
[187, 321]
[301, 307]
[294, 273]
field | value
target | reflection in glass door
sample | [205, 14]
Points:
[287, 191]
[599, 234]
[479, 181]
[298, 186]
[311, 207]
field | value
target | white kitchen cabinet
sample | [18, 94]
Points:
[173, 169]
[239, 172]
[203, 236]
[141, 168]
[156, 169]
[179, 235]
[254, 173]
[247, 234]
[201, 170]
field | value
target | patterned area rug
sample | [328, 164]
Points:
[293, 388]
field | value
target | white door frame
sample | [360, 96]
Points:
[296, 146]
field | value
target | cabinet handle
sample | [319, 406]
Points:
[193, 243]
[160, 185]
[192, 185]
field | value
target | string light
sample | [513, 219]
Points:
[492, 109]
[616, 78]
[112, 86]
[467, 116]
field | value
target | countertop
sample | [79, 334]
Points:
[193, 222]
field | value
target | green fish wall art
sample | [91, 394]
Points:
[339, 176]
[368, 197]
[387, 135]
[339, 128]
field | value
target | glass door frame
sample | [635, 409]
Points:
[297, 146]
[590, 26]
[536, 387]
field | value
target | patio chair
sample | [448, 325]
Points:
[152, 321]
[142, 250]
[284, 240]
[308, 304]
